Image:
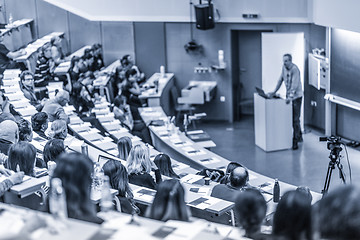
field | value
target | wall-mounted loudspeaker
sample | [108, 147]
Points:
[204, 16]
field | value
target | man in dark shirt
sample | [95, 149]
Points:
[238, 179]
[6, 57]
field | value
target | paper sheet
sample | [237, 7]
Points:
[191, 178]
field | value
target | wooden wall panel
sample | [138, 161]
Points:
[150, 47]
[83, 32]
[117, 40]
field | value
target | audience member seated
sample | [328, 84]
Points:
[11, 180]
[238, 180]
[89, 60]
[130, 89]
[139, 167]
[54, 107]
[306, 191]
[27, 87]
[58, 130]
[74, 70]
[119, 180]
[338, 214]
[230, 167]
[128, 64]
[123, 113]
[124, 145]
[22, 157]
[117, 80]
[74, 170]
[7, 116]
[25, 130]
[163, 162]
[81, 98]
[6, 57]
[40, 122]
[292, 218]
[53, 149]
[43, 65]
[169, 203]
[250, 211]
[57, 54]
[6, 107]
[9, 135]
[98, 56]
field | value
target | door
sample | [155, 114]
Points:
[249, 69]
[246, 48]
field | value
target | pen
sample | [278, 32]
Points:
[195, 151]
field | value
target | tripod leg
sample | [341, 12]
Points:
[328, 178]
[341, 172]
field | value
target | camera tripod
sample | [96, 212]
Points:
[334, 161]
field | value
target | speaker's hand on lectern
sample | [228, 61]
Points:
[271, 94]
[288, 100]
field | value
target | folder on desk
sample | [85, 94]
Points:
[112, 126]
[91, 136]
[199, 137]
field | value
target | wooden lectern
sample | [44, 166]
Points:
[273, 123]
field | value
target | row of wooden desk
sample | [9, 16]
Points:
[14, 219]
[18, 34]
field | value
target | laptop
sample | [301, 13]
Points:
[262, 93]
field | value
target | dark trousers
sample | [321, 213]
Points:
[296, 105]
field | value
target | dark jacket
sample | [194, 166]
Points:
[225, 192]
[145, 179]
[4, 146]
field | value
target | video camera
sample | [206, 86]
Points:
[332, 142]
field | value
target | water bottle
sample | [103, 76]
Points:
[97, 177]
[57, 199]
[221, 59]
[185, 123]
[84, 149]
[276, 195]
[102, 91]
[11, 19]
[106, 203]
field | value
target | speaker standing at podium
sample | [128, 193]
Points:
[290, 75]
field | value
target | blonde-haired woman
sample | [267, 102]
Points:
[58, 130]
[139, 167]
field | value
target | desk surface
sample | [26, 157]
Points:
[34, 47]
[162, 82]
[116, 226]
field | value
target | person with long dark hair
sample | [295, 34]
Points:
[74, 170]
[53, 149]
[250, 209]
[124, 145]
[22, 157]
[119, 180]
[123, 112]
[292, 218]
[163, 162]
[169, 203]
